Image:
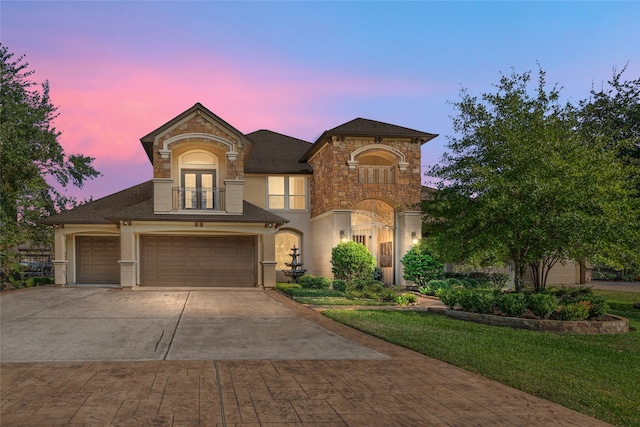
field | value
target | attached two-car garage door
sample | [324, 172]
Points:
[198, 261]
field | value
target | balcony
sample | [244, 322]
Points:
[198, 198]
[376, 174]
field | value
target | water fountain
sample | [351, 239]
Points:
[296, 266]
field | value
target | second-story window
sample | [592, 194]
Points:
[287, 192]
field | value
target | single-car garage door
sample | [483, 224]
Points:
[198, 261]
[97, 259]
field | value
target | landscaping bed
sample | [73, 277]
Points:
[607, 324]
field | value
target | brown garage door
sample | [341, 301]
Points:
[197, 261]
[97, 259]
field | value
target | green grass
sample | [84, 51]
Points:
[594, 374]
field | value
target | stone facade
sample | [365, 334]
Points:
[335, 186]
[197, 124]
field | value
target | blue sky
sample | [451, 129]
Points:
[120, 69]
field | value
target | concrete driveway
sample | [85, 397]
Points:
[104, 357]
[100, 324]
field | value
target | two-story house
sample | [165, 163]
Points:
[224, 209]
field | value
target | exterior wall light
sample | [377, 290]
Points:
[414, 238]
[343, 236]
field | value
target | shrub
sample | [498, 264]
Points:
[339, 285]
[597, 305]
[318, 293]
[352, 260]
[475, 300]
[449, 296]
[470, 283]
[314, 282]
[542, 305]
[575, 311]
[434, 285]
[419, 266]
[387, 294]
[512, 304]
[377, 274]
[405, 299]
[358, 288]
[287, 288]
[452, 282]
[499, 280]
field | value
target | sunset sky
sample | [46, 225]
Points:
[118, 70]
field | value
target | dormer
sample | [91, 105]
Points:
[198, 164]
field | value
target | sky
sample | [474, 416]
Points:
[120, 69]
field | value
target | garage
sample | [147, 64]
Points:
[228, 261]
[97, 260]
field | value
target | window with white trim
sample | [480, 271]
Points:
[287, 192]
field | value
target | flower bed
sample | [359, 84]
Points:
[608, 324]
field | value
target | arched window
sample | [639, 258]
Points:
[285, 240]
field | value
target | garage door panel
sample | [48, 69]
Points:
[97, 260]
[198, 261]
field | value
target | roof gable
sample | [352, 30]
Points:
[147, 140]
[369, 128]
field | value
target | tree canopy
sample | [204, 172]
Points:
[523, 183]
[33, 161]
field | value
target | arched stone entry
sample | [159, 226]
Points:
[373, 225]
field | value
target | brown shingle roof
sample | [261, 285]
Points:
[276, 153]
[97, 211]
[366, 127]
[136, 203]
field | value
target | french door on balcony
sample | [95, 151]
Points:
[199, 190]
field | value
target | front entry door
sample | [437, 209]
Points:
[199, 190]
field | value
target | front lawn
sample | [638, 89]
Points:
[594, 374]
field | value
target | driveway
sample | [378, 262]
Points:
[104, 357]
[100, 324]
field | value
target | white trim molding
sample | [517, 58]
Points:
[165, 152]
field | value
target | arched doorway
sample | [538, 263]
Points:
[373, 225]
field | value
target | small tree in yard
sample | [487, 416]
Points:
[420, 266]
[352, 260]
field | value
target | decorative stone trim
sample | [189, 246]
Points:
[164, 154]
[377, 147]
[619, 325]
[165, 144]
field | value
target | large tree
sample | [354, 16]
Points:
[32, 160]
[611, 114]
[520, 184]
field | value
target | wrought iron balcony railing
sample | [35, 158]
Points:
[197, 198]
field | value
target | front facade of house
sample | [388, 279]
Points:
[224, 209]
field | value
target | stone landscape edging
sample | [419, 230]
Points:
[619, 325]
